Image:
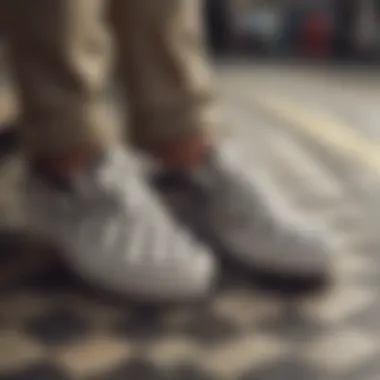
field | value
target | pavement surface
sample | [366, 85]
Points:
[316, 131]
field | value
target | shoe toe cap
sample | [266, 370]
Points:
[165, 280]
[303, 252]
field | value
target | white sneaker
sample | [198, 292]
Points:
[116, 235]
[250, 218]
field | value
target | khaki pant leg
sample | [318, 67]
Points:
[59, 53]
[164, 68]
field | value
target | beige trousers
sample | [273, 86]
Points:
[62, 52]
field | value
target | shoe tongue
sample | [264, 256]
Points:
[105, 175]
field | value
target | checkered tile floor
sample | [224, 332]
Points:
[53, 328]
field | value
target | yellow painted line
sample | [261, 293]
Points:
[330, 131]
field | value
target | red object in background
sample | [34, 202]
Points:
[315, 35]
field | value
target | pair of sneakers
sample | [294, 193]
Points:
[116, 232]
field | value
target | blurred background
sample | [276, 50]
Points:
[331, 29]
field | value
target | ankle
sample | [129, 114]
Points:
[61, 167]
[183, 155]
